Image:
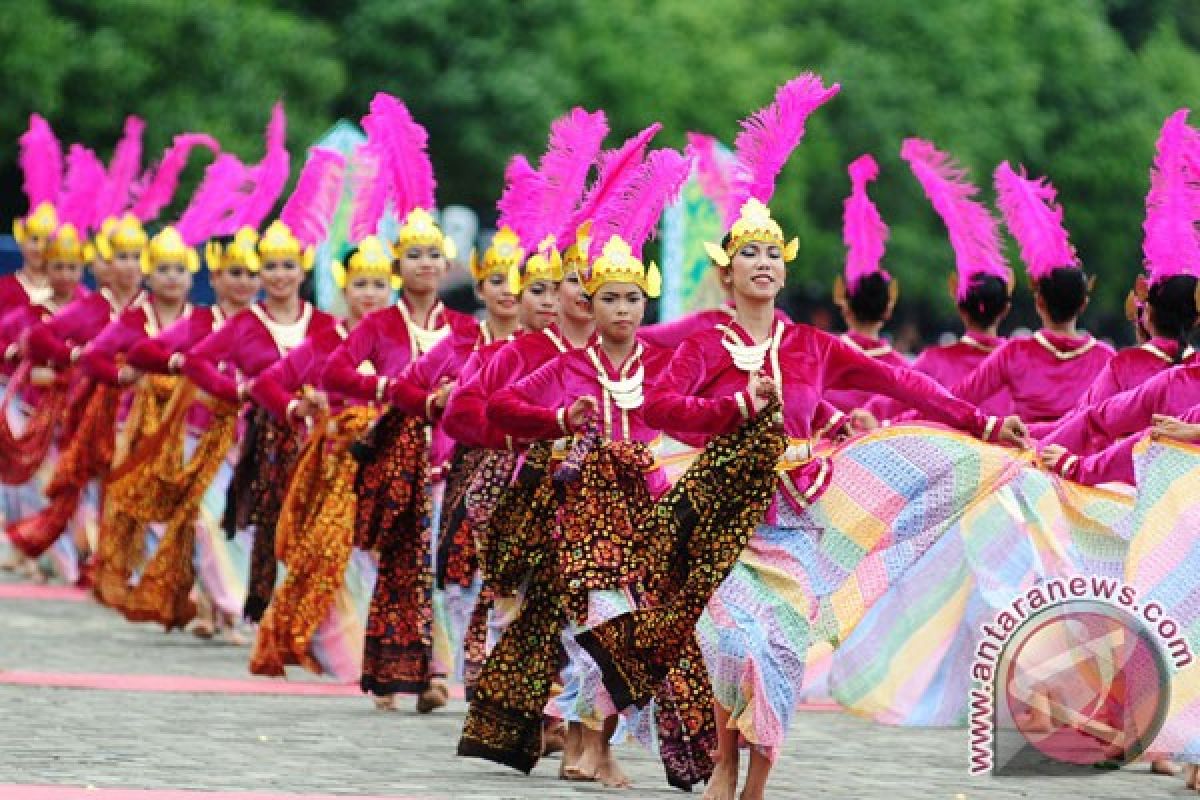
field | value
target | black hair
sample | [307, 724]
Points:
[1064, 291]
[1173, 304]
[986, 301]
[870, 299]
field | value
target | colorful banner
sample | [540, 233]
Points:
[689, 282]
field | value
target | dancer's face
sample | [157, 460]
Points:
[421, 267]
[126, 270]
[539, 305]
[171, 281]
[756, 271]
[575, 306]
[500, 303]
[235, 286]
[64, 276]
[281, 278]
[367, 293]
[33, 251]
[618, 309]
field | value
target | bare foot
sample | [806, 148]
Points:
[554, 736]
[436, 696]
[385, 702]
[202, 629]
[572, 749]
[723, 783]
[1164, 766]
[610, 773]
[231, 635]
[1191, 774]
[591, 753]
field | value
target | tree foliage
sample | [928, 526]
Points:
[1073, 90]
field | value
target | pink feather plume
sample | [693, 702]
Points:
[81, 190]
[1034, 220]
[370, 189]
[617, 170]
[1171, 245]
[972, 228]
[213, 208]
[269, 175]
[158, 190]
[634, 213]
[715, 178]
[313, 202]
[402, 145]
[123, 169]
[41, 160]
[540, 202]
[770, 135]
[863, 229]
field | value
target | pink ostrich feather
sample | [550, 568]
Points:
[370, 189]
[633, 214]
[863, 229]
[269, 175]
[715, 178]
[402, 145]
[1171, 245]
[81, 189]
[519, 204]
[972, 228]
[123, 170]
[1035, 221]
[213, 208]
[313, 202]
[770, 135]
[159, 189]
[41, 160]
[617, 171]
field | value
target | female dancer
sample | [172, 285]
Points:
[168, 265]
[1047, 373]
[316, 524]
[249, 343]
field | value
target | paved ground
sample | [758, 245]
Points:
[340, 746]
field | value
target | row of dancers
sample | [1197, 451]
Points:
[607, 529]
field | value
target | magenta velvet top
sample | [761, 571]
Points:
[850, 399]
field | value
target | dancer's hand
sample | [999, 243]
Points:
[862, 421]
[442, 393]
[127, 376]
[1052, 455]
[582, 410]
[761, 389]
[1013, 431]
[1173, 428]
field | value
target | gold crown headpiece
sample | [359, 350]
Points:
[502, 255]
[168, 247]
[374, 256]
[41, 222]
[240, 252]
[419, 228]
[546, 264]
[127, 235]
[618, 264]
[575, 256]
[67, 245]
[101, 244]
[754, 224]
[279, 243]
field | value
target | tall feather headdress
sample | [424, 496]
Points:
[863, 229]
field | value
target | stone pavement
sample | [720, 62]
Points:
[338, 745]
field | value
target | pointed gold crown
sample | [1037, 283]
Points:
[101, 244]
[503, 254]
[754, 224]
[240, 252]
[168, 247]
[278, 243]
[127, 235]
[41, 222]
[575, 256]
[67, 246]
[545, 264]
[374, 256]
[419, 228]
[618, 264]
